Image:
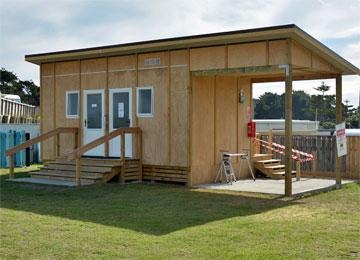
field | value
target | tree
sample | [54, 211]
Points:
[322, 88]
[27, 90]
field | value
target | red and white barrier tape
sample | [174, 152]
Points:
[296, 153]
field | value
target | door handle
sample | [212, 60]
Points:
[85, 122]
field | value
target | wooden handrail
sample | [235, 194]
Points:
[87, 147]
[40, 138]
[77, 153]
[56, 132]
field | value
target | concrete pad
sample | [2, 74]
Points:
[270, 186]
[47, 181]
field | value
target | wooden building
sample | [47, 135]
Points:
[190, 96]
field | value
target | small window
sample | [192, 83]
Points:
[72, 104]
[145, 100]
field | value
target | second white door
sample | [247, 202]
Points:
[120, 116]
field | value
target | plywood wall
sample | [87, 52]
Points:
[47, 106]
[67, 79]
[219, 122]
[165, 139]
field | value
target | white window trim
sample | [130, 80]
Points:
[137, 102]
[78, 102]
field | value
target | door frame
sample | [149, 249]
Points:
[128, 137]
[85, 129]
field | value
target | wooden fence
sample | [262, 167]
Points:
[14, 112]
[325, 149]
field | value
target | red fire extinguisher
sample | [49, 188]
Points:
[251, 126]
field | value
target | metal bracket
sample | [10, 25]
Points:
[286, 67]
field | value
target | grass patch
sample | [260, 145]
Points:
[156, 221]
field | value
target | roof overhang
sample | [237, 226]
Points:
[259, 34]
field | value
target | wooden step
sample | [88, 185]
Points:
[62, 178]
[260, 157]
[65, 174]
[67, 167]
[270, 161]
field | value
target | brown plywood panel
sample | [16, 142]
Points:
[122, 79]
[277, 52]
[67, 67]
[300, 55]
[180, 57]
[47, 115]
[93, 65]
[207, 58]
[245, 55]
[156, 129]
[225, 118]
[203, 116]
[320, 64]
[69, 81]
[179, 116]
[122, 62]
[143, 58]
[47, 69]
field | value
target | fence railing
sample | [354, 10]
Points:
[324, 147]
[14, 112]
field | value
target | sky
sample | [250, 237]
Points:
[30, 26]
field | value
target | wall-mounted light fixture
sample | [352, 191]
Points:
[241, 96]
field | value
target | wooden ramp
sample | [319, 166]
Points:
[269, 166]
[93, 170]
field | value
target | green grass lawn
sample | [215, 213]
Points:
[159, 221]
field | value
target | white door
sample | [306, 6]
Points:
[93, 119]
[120, 116]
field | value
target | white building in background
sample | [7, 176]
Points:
[298, 126]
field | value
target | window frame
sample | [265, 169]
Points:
[138, 89]
[78, 104]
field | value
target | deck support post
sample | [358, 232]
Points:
[122, 152]
[78, 171]
[298, 168]
[314, 164]
[140, 154]
[338, 121]
[288, 130]
[270, 141]
[11, 166]
[57, 141]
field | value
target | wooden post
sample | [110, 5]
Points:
[338, 121]
[314, 164]
[288, 130]
[57, 140]
[298, 168]
[78, 171]
[140, 154]
[270, 138]
[76, 140]
[122, 140]
[257, 144]
[11, 164]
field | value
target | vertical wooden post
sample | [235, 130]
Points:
[57, 141]
[257, 144]
[270, 139]
[122, 140]
[78, 171]
[11, 165]
[314, 164]
[76, 140]
[288, 121]
[140, 153]
[338, 121]
[298, 168]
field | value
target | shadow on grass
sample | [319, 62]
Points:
[155, 209]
